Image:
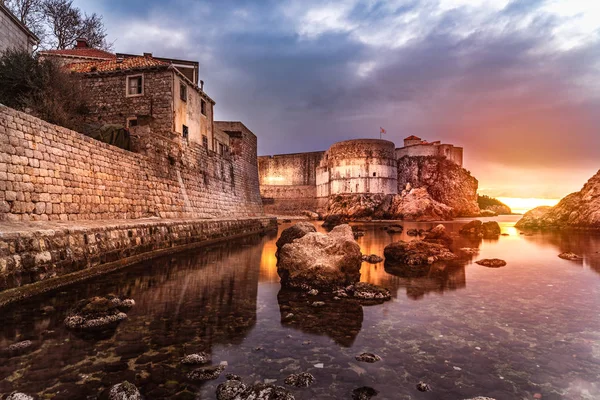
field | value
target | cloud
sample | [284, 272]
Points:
[514, 82]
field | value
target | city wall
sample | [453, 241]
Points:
[52, 173]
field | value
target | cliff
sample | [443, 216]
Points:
[445, 181]
[579, 210]
[491, 204]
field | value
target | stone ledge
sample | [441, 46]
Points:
[35, 258]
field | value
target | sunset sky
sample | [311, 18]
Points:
[516, 83]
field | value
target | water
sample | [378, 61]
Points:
[528, 329]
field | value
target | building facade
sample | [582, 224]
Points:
[13, 33]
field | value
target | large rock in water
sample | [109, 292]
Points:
[445, 181]
[294, 232]
[580, 210]
[416, 252]
[490, 229]
[324, 261]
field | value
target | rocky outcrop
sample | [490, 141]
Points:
[418, 205]
[445, 181]
[438, 235]
[487, 203]
[416, 253]
[235, 389]
[98, 313]
[580, 210]
[333, 220]
[322, 261]
[124, 391]
[491, 262]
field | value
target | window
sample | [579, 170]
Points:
[203, 107]
[132, 122]
[205, 141]
[374, 173]
[221, 149]
[135, 85]
[183, 91]
[186, 133]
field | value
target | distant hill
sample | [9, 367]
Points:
[492, 204]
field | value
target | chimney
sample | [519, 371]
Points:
[81, 43]
[147, 54]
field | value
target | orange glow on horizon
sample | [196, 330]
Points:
[522, 205]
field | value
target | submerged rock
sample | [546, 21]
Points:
[368, 358]
[412, 232]
[234, 389]
[470, 250]
[98, 313]
[491, 262]
[311, 214]
[372, 259]
[570, 256]
[365, 291]
[196, 359]
[19, 396]
[318, 260]
[364, 393]
[19, 348]
[416, 252]
[206, 373]
[124, 391]
[294, 232]
[303, 379]
[423, 387]
[394, 228]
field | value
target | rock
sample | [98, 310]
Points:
[412, 232]
[372, 259]
[196, 359]
[570, 257]
[580, 210]
[333, 220]
[418, 205]
[533, 219]
[318, 260]
[287, 221]
[311, 214]
[366, 291]
[394, 229]
[491, 262]
[488, 230]
[416, 252]
[19, 347]
[303, 379]
[124, 391]
[313, 292]
[446, 182]
[423, 387]
[206, 373]
[469, 250]
[317, 304]
[487, 203]
[368, 358]
[48, 309]
[294, 232]
[364, 393]
[98, 313]
[236, 390]
[358, 234]
[438, 235]
[488, 213]
[19, 396]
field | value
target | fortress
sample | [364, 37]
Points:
[291, 183]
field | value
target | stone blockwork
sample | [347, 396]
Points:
[38, 252]
[13, 34]
[52, 173]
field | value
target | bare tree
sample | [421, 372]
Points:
[29, 12]
[67, 23]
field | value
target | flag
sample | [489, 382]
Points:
[382, 130]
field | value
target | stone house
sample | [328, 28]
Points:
[142, 90]
[13, 33]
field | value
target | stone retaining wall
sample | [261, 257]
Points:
[34, 254]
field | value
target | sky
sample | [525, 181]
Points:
[515, 83]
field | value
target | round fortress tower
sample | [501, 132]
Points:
[358, 166]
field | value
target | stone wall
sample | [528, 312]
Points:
[12, 36]
[452, 153]
[46, 256]
[288, 182]
[52, 173]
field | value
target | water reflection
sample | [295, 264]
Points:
[184, 304]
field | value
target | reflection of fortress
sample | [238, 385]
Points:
[290, 183]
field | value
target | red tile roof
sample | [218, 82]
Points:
[86, 52]
[112, 65]
[413, 137]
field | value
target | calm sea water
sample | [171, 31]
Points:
[529, 330]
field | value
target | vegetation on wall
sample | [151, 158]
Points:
[41, 88]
